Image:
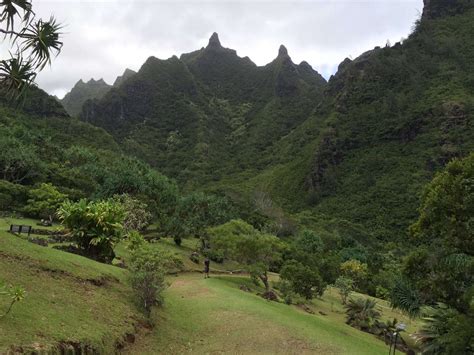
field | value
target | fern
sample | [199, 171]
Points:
[406, 298]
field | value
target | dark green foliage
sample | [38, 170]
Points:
[441, 269]
[406, 298]
[444, 230]
[445, 331]
[362, 313]
[44, 201]
[147, 275]
[195, 212]
[303, 280]
[12, 196]
[237, 240]
[96, 226]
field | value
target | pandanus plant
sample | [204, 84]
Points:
[35, 42]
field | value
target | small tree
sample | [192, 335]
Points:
[95, 225]
[345, 286]
[137, 217]
[147, 275]
[303, 280]
[44, 201]
[241, 242]
[354, 270]
[196, 212]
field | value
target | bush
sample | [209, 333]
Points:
[147, 275]
[137, 217]
[345, 286]
[12, 196]
[303, 280]
[215, 255]
[362, 314]
[95, 225]
[286, 291]
[44, 201]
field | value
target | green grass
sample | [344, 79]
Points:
[214, 316]
[74, 299]
[63, 301]
[7, 221]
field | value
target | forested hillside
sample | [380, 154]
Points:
[368, 140]
[208, 114]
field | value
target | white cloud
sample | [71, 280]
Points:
[104, 37]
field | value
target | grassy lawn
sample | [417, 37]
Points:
[213, 316]
[76, 300]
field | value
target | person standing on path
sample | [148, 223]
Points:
[206, 268]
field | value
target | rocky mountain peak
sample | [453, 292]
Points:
[282, 51]
[214, 41]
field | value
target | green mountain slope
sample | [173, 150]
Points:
[209, 113]
[358, 148]
[81, 92]
[389, 120]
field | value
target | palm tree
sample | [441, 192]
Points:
[362, 313]
[435, 325]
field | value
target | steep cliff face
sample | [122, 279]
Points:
[389, 120]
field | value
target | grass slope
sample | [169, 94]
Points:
[214, 316]
[70, 299]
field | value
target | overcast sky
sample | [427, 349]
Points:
[102, 38]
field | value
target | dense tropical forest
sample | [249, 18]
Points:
[328, 216]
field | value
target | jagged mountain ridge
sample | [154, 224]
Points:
[359, 148]
[389, 120]
[81, 92]
[187, 115]
[93, 89]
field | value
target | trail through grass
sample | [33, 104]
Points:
[213, 316]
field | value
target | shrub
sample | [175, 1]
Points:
[95, 225]
[44, 201]
[362, 313]
[304, 280]
[354, 270]
[137, 217]
[12, 196]
[445, 331]
[147, 275]
[345, 286]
